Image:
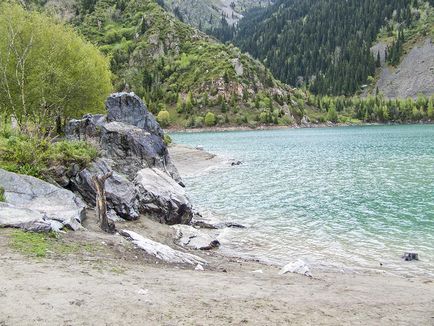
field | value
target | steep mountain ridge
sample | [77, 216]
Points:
[326, 44]
[206, 14]
[179, 69]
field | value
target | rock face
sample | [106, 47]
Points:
[160, 194]
[122, 196]
[129, 109]
[413, 76]
[131, 142]
[30, 200]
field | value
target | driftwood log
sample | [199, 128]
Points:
[101, 203]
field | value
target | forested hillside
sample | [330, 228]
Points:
[209, 14]
[188, 79]
[179, 70]
[326, 44]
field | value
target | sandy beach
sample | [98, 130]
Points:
[107, 281]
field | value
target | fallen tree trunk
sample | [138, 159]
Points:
[101, 203]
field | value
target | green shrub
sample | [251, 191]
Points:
[33, 156]
[2, 194]
[198, 122]
[167, 139]
[163, 118]
[210, 119]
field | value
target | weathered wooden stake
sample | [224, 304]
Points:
[101, 203]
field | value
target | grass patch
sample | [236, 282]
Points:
[40, 244]
[2, 194]
[31, 244]
[32, 156]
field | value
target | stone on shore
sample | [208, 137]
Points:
[189, 237]
[161, 196]
[33, 200]
[121, 194]
[131, 144]
[162, 251]
[298, 267]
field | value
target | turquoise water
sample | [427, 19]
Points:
[339, 198]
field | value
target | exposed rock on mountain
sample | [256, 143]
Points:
[413, 76]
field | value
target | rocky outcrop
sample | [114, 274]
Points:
[31, 201]
[161, 195]
[129, 109]
[131, 143]
[122, 196]
[413, 76]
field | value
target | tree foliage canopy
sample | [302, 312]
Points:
[47, 72]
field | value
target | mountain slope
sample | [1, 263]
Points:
[412, 73]
[177, 68]
[206, 14]
[323, 43]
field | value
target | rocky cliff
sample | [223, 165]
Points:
[413, 76]
[144, 179]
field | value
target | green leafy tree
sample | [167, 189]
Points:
[332, 115]
[163, 118]
[189, 102]
[48, 74]
[210, 119]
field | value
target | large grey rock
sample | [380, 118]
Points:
[46, 200]
[129, 108]
[121, 194]
[189, 237]
[131, 141]
[162, 197]
[129, 135]
[132, 148]
[161, 251]
[24, 218]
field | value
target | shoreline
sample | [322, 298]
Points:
[90, 277]
[192, 162]
[116, 283]
[307, 126]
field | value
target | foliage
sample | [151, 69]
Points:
[168, 62]
[30, 243]
[2, 194]
[167, 139]
[40, 244]
[373, 109]
[47, 72]
[210, 119]
[34, 156]
[163, 118]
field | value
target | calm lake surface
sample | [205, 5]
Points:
[339, 198]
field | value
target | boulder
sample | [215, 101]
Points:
[129, 135]
[132, 148]
[161, 196]
[161, 251]
[28, 196]
[189, 237]
[130, 109]
[298, 267]
[131, 145]
[121, 194]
